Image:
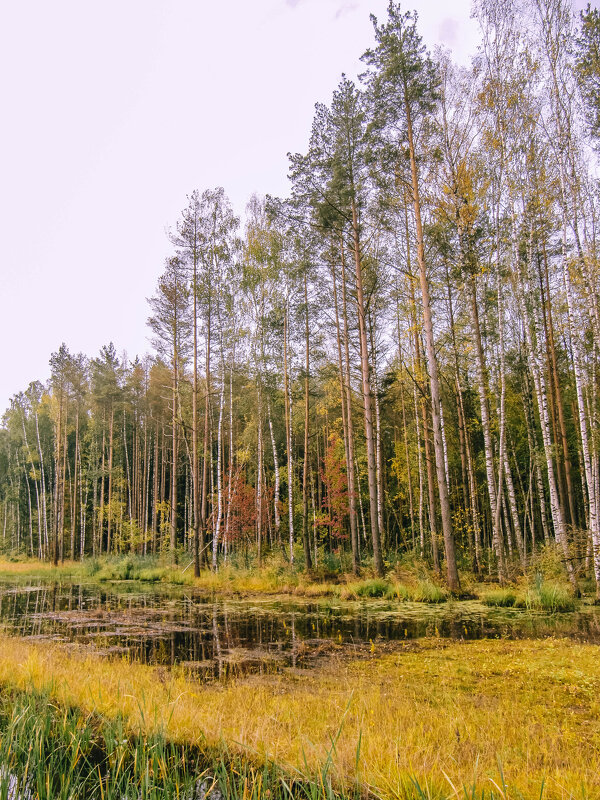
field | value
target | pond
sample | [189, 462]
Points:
[218, 637]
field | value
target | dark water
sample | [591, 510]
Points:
[216, 638]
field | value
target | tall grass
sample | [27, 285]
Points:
[543, 595]
[549, 596]
[48, 752]
[503, 598]
[419, 713]
[428, 592]
[54, 753]
[138, 568]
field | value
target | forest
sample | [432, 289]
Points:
[338, 536]
[401, 357]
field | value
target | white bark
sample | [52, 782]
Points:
[217, 531]
[276, 471]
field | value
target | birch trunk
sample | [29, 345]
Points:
[482, 388]
[217, 533]
[532, 340]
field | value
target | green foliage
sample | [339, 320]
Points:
[547, 562]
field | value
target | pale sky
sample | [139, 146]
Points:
[112, 112]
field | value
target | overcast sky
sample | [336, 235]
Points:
[112, 112]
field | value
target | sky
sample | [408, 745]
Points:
[112, 112]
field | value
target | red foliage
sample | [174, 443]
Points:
[336, 504]
[243, 516]
[242, 522]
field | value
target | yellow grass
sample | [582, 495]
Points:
[35, 567]
[441, 712]
[271, 579]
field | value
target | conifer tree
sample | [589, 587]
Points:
[403, 84]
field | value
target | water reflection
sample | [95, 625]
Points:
[218, 638]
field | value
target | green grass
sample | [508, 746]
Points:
[398, 591]
[56, 753]
[423, 591]
[428, 592]
[503, 598]
[549, 596]
[373, 587]
[543, 595]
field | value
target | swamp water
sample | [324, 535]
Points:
[214, 638]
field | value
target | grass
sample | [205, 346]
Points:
[503, 598]
[129, 570]
[51, 753]
[543, 595]
[54, 753]
[372, 587]
[549, 596]
[277, 578]
[398, 591]
[436, 713]
[428, 592]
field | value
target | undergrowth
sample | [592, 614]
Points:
[408, 579]
[55, 753]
